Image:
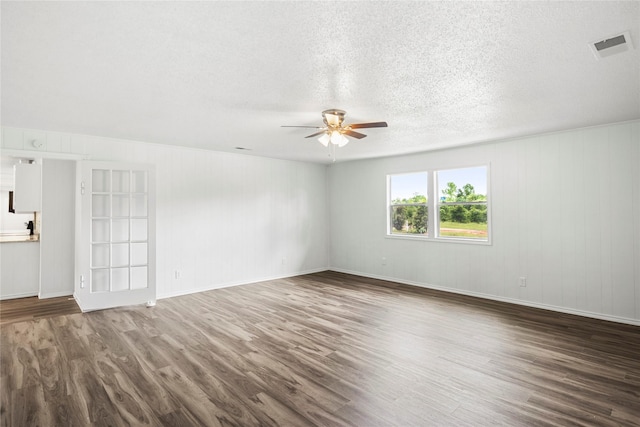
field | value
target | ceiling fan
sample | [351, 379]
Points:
[334, 130]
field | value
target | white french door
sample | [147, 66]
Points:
[115, 246]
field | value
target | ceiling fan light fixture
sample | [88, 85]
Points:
[343, 141]
[333, 117]
[333, 133]
[324, 139]
[332, 120]
[337, 138]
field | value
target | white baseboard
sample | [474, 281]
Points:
[56, 294]
[16, 296]
[235, 283]
[600, 316]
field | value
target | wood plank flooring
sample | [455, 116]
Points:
[325, 349]
[32, 308]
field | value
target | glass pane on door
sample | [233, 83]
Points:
[100, 181]
[119, 230]
[100, 230]
[139, 181]
[99, 280]
[120, 181]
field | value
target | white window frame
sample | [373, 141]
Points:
[433, 208]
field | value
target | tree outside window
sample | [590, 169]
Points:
[409, 210]
[462, 206]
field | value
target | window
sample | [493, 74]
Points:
[409, 213]
[455, 199]
[462, 203]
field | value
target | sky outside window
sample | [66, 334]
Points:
[407, 185]
[475, 176]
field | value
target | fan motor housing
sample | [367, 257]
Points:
[333, 117]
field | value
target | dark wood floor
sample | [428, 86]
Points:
[326, 349]
[33, 308]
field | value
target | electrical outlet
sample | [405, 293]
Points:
[284, 261]
[523, 282]
[384, 261]
[177, 274]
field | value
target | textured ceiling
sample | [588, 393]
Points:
[220, 75]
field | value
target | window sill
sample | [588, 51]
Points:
[439, 239]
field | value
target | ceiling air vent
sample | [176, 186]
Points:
[611, 45]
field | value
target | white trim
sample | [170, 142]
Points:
[16, 296]
[12, 152]
[57, 294]
[590, 314]
[515, 138]
[240, 283]
[421, 238]
[93, 138]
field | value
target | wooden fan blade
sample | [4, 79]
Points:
[308, 127]
[354, 134]
[368, 125]
[316, 134]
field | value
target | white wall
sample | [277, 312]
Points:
[57, 233]
[565, 214]
[222, 218]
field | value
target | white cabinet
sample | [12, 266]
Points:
[19, 269]
[27, 194]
